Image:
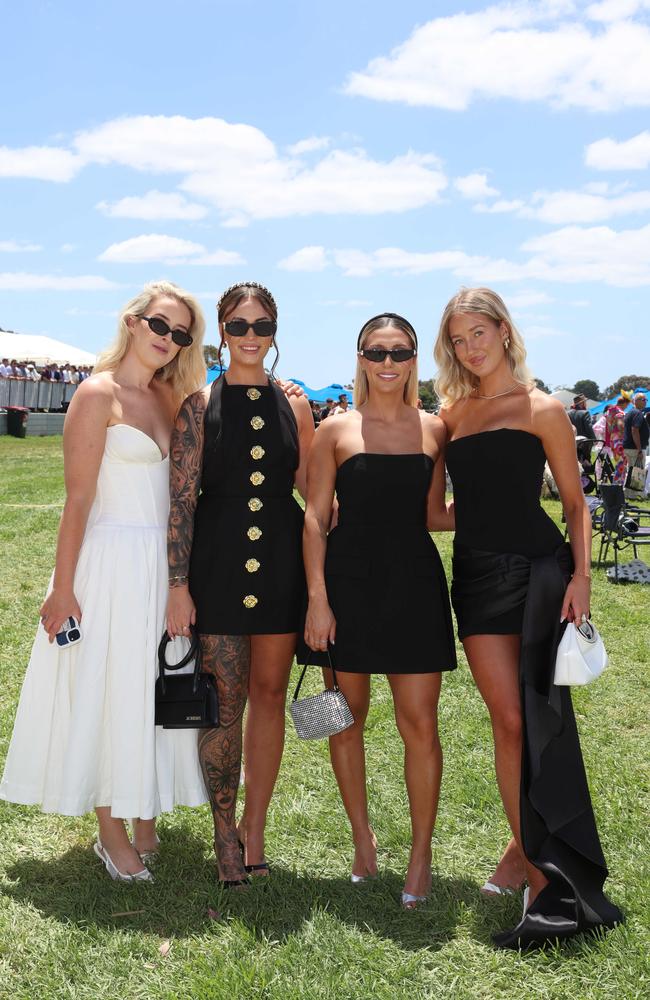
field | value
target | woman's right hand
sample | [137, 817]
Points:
[320, 625]
[181, 612]
[58, 606]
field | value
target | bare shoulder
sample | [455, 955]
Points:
[547, 412]
[452, 415]
[330, 430]
[433, 426]
[301, 408]
[93, 398]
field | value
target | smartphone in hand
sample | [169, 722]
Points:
[69, 633]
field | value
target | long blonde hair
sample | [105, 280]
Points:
[186, 373]
[453, 381]
[361, 387]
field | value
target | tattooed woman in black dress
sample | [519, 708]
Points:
[235, 564]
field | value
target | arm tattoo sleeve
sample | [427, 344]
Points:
[186, 458]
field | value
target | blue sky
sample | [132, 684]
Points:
[355, 157]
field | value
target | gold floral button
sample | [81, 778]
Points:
[252, 565]
[254, 533]
[257, 452]
[255, 503]
[257, 423]
[250, 601]
[253, 394]
[257, 478]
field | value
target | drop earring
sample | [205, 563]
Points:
[506, 343]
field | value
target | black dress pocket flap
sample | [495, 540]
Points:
[353, 566]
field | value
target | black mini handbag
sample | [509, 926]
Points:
[188, 701]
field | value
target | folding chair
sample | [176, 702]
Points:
[620, 525]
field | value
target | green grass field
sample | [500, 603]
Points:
[67, 931]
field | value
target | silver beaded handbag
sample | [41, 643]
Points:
[323, 714]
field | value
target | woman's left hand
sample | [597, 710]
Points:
[577, 600]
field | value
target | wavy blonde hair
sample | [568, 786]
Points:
[453, 381]
[186, 373]
[361, 387]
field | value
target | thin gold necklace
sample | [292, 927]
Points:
[497, 394]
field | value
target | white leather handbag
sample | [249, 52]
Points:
[581, 656]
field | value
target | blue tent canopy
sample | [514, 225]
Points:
[599, 407]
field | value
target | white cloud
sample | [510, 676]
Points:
[341, 182]
[311, 145]
[305, 259]
[152, 206]
[573, 254]
[559, 207]
[631, 154]
[475, 186]
[237, 169]
[502, 205]
[22, 282]
[18, 246]
[43, 163]
[614, 10]
[552, 52]
[67, 247]
[597, 253]
[170, 249]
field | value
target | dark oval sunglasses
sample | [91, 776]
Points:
[156, 325]
[240, 327]
[380, 353]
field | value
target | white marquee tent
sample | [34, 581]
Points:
[42, 350]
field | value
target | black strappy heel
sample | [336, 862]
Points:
[252, 868]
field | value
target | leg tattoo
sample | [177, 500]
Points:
[228, 658]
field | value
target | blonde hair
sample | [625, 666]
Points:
[186, 373]
[361, 388]
[453, 381]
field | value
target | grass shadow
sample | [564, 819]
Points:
[186, 900]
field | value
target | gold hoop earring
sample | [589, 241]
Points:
[506, 343]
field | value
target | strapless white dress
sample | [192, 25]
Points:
[84, 734]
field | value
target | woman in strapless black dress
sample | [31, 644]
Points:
[377, 590]
[514, 582]
[235, 540]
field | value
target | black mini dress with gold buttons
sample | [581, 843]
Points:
[246, 570]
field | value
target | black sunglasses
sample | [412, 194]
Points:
[380, 353]
[240, 327]
[156, 325]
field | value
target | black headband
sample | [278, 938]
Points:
[401, 319]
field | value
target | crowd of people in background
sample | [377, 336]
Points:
[30, 372]
[622, 431]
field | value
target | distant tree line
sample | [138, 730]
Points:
[591, 390]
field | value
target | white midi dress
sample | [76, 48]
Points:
[84, 734]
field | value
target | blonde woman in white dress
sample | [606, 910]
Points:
[84, 736]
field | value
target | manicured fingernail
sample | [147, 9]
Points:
[562, 619]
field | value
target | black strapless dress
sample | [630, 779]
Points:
[246, 570]
[497, 480]
[511, 569]
[385, 581]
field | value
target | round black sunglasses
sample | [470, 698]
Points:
[379, 354]
[240, 327]
[158, 326]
